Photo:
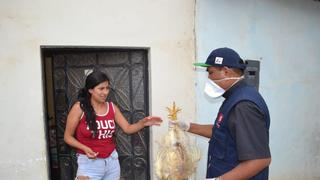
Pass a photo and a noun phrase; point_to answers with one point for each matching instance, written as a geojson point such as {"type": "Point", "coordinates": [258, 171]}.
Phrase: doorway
{"type": "Point", "coordinates": [65, 70]}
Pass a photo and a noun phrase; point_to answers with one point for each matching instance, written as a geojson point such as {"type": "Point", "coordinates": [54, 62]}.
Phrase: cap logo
{"type": "Point", "coordinates": [218, 60]}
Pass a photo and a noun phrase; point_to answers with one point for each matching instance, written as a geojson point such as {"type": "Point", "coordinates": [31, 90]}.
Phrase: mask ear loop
{"type": "Point", "coordinates": [220, 72]}
{"type": "Point", "coordinates": [228, 78]}
{"type": "Point", "coordinates": [238, 79]}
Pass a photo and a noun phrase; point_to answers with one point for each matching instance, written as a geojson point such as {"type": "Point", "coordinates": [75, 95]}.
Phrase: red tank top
{"type": "Point", "coordinates": [103, 142]}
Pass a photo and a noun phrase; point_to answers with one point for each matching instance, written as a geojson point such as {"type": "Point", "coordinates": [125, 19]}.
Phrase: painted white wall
{"type": "Point", "coordinates": [167, 27]}
{"type": "Point", "coordinates": [284, 36]}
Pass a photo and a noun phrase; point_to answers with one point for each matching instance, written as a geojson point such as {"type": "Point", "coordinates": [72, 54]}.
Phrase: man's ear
{"type": "Point", "coordinates": [226, 70]}
{"type": "Point", "coordinates": [230, 71]}
{"type": "Point", "coordinates": [90, 91]}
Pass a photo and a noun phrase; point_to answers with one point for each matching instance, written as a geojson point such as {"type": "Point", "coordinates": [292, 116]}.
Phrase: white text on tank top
{"type": "Point", "coordinates": [105, 128]}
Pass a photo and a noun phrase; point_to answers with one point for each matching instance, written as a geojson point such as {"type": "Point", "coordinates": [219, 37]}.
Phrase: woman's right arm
{"type": "Point", "coordinates": [73, 120]}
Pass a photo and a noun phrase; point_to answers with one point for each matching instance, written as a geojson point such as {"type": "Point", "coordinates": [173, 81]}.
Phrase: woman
{"type": "Point", "coordinates": [90, 127]}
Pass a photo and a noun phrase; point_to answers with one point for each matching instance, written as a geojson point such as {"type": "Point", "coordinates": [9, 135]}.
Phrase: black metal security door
{"type": "Point", "coordinates": [65, 71]}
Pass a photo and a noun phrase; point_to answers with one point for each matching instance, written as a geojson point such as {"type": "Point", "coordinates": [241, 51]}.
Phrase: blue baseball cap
{"type": "Point", "coordinates": [223, 57]}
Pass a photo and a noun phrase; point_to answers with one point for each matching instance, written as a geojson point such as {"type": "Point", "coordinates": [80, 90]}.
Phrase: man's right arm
{"type": "Point", "coordinates": [246, 169]}
{"type": "Point", "coordinates": [204, 130]}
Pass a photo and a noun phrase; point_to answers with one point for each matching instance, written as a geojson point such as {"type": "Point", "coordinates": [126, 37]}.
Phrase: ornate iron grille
{"type": "Point", "coordinates": [128, 73]}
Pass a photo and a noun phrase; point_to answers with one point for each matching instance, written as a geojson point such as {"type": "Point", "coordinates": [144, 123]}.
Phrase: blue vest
{"type": "Point", "coordinates": [222, 153]}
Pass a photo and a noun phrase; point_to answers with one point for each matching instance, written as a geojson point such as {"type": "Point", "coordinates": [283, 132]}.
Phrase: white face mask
{"type": "Point", "coordinates": [213, 90]}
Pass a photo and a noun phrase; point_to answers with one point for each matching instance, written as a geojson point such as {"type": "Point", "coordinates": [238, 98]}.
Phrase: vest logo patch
{"type": "Point", "coordinates": [219, 120]}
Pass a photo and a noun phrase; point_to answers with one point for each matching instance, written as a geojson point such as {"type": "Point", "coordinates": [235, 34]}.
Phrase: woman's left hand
{"type": "Point", "coordinates": [151, 120]}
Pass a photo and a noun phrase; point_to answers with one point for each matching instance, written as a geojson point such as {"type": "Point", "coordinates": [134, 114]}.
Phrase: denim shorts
{"type": "Point", "coordinates": [99, 168]}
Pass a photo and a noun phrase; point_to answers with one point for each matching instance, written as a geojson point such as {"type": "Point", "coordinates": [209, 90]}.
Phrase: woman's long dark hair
{"type": "Point", "coordinates": [92, 80]}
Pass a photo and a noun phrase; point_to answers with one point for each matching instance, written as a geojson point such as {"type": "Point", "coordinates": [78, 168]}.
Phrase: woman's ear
{"type": "Point", "coordinates": [90, 91]}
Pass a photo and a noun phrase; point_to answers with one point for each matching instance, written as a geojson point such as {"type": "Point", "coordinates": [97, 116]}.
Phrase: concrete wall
{"type": "Point", "coordinates": [284, 36]}
{"type": "Point", "coordinates": [167, 27]}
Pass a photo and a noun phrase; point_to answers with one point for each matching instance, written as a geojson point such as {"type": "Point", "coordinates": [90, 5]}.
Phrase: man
{"type": "Point", "coordinates": [239, 138]}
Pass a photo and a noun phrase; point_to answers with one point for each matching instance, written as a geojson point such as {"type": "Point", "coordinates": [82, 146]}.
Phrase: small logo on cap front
{"type": "Point", "coordinates": [218, 60]}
